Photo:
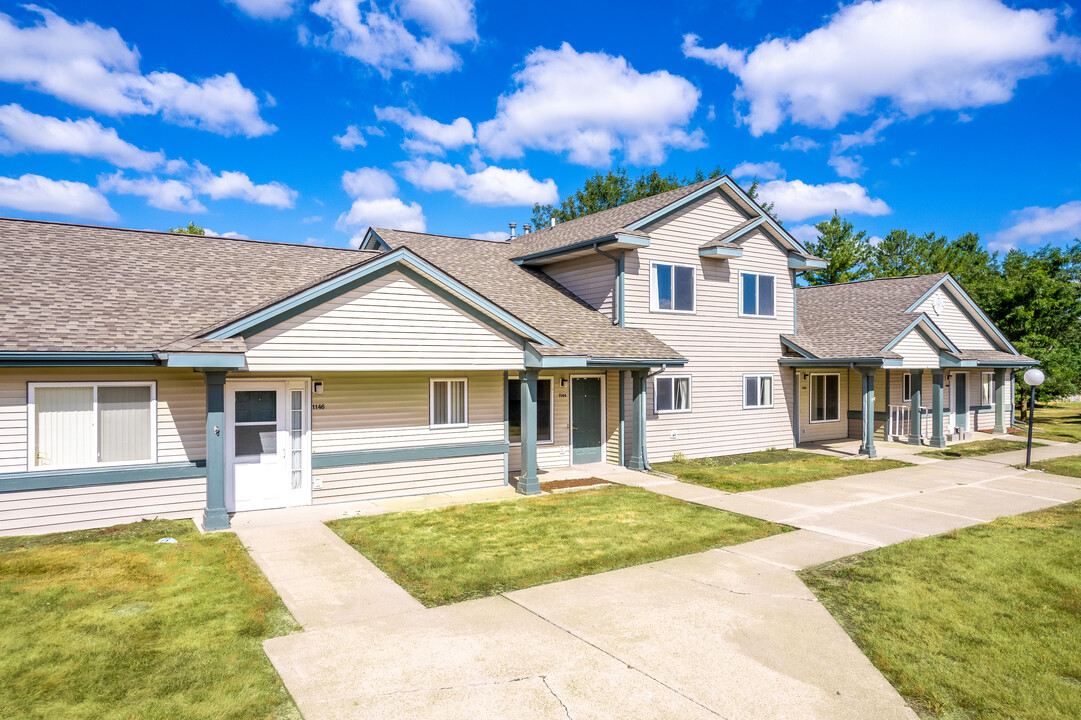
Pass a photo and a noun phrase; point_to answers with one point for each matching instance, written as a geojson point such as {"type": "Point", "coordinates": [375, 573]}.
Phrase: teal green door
{"type": "Point", "coordinates": [960, 397]}
{"type": "Point", "coordinates": [586, 435]}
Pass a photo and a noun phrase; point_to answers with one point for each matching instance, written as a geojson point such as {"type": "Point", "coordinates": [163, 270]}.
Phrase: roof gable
{"type": "Point", "coordinates": [961, 316]}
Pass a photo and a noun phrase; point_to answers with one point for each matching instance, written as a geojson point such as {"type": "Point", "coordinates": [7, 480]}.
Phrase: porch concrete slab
{"type": "Point", "coordinates": [976, 502]}
{"type": "Point", "coordinates": [1037, 486]}
{"type": "Point", "coordinates": [322, 580]}
{"type": "Point", "coordinates": [721, 647]}
{"type": "Point", "coordinates": [624, 476]}
{"type": "Point", "coordinates": [799, 549]}
{"type": "Point", "coordinates": [686, 491]}
{"type": "Point", "coordinates": [749, 504]}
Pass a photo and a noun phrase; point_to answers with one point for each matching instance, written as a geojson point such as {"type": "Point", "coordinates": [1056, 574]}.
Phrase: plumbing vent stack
{"type": "Point", "coordinates": [513, 230]}
{"type": "Point", "coordinates": [527, 228]}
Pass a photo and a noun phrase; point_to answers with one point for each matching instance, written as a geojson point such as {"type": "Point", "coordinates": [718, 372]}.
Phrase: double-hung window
{"type": "Point", "coordinates": [672, 288]}
{"type": "Point", "coordinates": [825, 398]}
{"type": "Point", "coordinates": [74, 425]}
{"type": "Point", "coordinates": [756, 295]}
{"type": "Point", "coordinates": [672, 394]}
{"type": "Point", "coordinates": [906, 387]}
{"type": "Point", "coordinates": [758, 391]}
{"type": "Point", "coordinates": [449, 402]}
{"type": "Point", "coordinates": [544, 410]}
{"type": "Point", "coordinates": [987, 388]}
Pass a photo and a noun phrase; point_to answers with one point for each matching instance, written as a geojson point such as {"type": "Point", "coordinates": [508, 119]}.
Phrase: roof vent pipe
{"type": "Point", "coordinates": [526, 228]}
{"type": "Point", "coordinates": [552, 222]}
{"type": "Point", "coordinates": [513, 230]}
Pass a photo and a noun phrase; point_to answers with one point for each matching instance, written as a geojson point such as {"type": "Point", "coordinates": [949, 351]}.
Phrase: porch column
{"type": "Point", "coordinates": [915, 419]}
{"type": "Point", "coordinates": [528, 484]}
{"type": "Point", "coordinates": [868, 416]}
{"type": "Point", "coordinates": [638, 420]}
{"type": "Point", "coordinates": [1000, 400]}
{"type": "Point", "coordinates": [214, 515]}
{"type": "Point", "coordinates": [937, 438]}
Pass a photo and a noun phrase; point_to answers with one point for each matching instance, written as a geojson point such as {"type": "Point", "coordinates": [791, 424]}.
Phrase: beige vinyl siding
{"type": "Point", "coordinates": [720, 345]}
{"type": "Point", "coordinates": [916, 352]}
{"type": "Point", "coordinates": [954, 323]}
{"type": "Point", "coordinates": [383, 480]}
{"type": "Point", "coordinates": [591, 278]}
{"type": "Point", "coordinates": [811, 432]}
{"type": "Point", "coordinates": [611, 452]}
{"type": "Point", "coordinates": [383, 411]}
{"type": "Point", "coordinates": [388, 324]}
{"type": "Point", "coordinates": [44, 511]}
{"type": "Point", "coordinates": [181, 418]}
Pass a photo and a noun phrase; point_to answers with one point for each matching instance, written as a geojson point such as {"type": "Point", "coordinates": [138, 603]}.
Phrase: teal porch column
{"type": "Point", "coordinates": [868, 416]}
{"type": "Point", "coordinates": [915, 419]}
{"type": "Point", "coordinates": [638, 420]}
{"type": "Point", "coordinates": [1000, 400]}
{"type": "Point", "coordinates": [937, 381]}
{"type": "Point", "coordinates": [214, 515]}
{"type": "Point", "coordinates": [528, 484]}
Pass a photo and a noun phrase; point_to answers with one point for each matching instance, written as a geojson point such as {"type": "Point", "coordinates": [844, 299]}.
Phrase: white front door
{"type": "Point", "coordinates": [266, 445]}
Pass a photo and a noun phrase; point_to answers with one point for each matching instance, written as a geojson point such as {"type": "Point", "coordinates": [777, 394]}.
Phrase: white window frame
{"type": "Point", "coordinates": [654, 300]}
{"type": "Point", "coordinates": [983, 386]}
{"type": "Point", "coordinates": [772, 390]}
{"type": "Point", "coordinates": [757, 296]}
{"type": "Point", "coordinates": [31, 423]}
{"type": "Point", "coordinates": [690, 394]}
{"type": "Point", "coordinates": [551, 409]}
{"type": "Point", "coordinates": [906, 397]}
{"type": "Point", "coordinates": [811, 399]}
{"type": "Point", "coordinates": [431, 405]}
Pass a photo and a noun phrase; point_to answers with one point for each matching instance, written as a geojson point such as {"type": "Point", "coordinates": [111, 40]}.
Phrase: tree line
{"type": "Point", "coordinates": [1033, 297]}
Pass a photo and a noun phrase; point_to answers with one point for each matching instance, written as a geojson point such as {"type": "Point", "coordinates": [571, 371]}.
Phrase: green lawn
{"type": "Point", "coordinates": [1058, 421]}
{"type": "Point", "coordinates": [107, 624]}
{"type": "Point", "coordinates": [1069, 466]}
{"type": "Point", "coordinates": [769, 468]}
{"type": "Point", "coordinates": [461, 552]}
{"type": "Point", "coordinates": [978, 623]}
{"type": "Point", "coordinates": [976, 448]}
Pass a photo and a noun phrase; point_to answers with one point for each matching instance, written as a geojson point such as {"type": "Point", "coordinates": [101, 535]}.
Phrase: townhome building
{"type": "Point", "coordinates": [147, 374]}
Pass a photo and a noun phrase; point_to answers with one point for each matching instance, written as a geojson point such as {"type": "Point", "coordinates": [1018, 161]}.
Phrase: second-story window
{"type": "Point", "coordinates": [756, 295]}
{"type": "Point", "coordinates": [672, 288]}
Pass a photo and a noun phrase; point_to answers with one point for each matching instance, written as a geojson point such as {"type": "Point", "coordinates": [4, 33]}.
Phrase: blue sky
{"type": "Point", "coordinates": [306, 122]}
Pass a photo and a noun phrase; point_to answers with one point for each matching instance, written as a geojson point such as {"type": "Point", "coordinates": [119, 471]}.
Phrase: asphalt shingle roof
{"type": "Point", "coordinates": [78, 288]}
{"type": "Point", "coordinates": [531, 296]}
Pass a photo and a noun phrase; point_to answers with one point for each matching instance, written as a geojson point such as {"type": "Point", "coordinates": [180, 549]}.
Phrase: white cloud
{"type": "Point", "coordinates": [871, 136]}
{"type": "Point", "coordinates": [846, 166]}
{"type": "Point", "coordinates": [492, 236]}
{"type": "Point", "coordinates": [166, 194]}
{"type": "Point", "coordinates": [237, 185]}
{"type": "Point", "coordinates": [804, 233]}
{"type": "Point", "coordinates": [428, 135]}
{"type": "Point", "coordinates": [24, 131]}
{"type": "Point", "coordinates": [1040, 224]}
{"type": "Point", "coordinates": [312, 219]}
{"type": "Point", "coordinates": [374, 205]}
{"type": "Point", "coordinates": [800, 143]}
{"type": "Point", "coordinates": [915, 55]}
{"type": "Point", "coordinates": [265, 9]}
{"type": "Point", "coordinates": [763, 171]}
{"type": "Point", "coordinates": [383, 41]}
{"type": "Point", "coordinates": [590, 105]}
{"type": "Point", "coordinates": [34, 193]}
{"type": "Point", "coordinates": [492, 186]}
{"type": "Point", "coordinates": [351, 138]}
{"type": "Point", "coordinates": [92, 67]}
{"type": "Point", "coordinates": [232, 234]}
{"type": "Point", "coordinates": [796, 200]}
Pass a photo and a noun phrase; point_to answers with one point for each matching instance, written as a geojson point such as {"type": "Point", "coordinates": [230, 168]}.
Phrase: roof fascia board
{"type": "Point", "coordinates": [83, 359]}
{"type": "Point", "coordinates": [400, 259]}
{"type": "Point", "coordinates": [984, 321]}
{"type": "Point", "coordinates": [676, 205]}
{"type": "Point", "coordinates": [373, 236]}
{"type": "Point", "coordinates": [945, 359]}
{"type": "Point", "coordinates": [720, 252]}
{"type": "Point", "coordinates": [795, 262]}
{"type": "Point", "coordinates": [796, 348]}
{"type": "Point", "coordinates": [604, 241]}
{"type": "Point", "coordinates": [635, 362]}
{"type": "Point", "coordinates": [204, 360]}
{"type": "Point", "coordinates": [925, 321]}
{"type": "Point", "coordinates": [773, 224]}
{"type": "Point", "coordinates": [834, 362]}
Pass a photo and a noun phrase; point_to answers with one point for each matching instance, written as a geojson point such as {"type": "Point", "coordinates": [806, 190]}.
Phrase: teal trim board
{"type": "Point", "coordinates": [215, 516]}
{"type": "Point", "coordinates": [431, 452]}
{"type": "Point", "coordinates": [77, 359]}
{"type": "Point", "coordinates": [206, 360]}
{"type": "Point", "coordinates": [90, 477]}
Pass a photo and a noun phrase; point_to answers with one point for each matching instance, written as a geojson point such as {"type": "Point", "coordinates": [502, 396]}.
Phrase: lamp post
{"type": "Point", "coordinates": [1034, 377]}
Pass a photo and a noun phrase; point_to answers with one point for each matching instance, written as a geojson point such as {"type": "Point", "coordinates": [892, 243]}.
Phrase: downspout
{"type": "Point", "coordinates": [645, 452]}
{"type": "Point", "coordinates": [618, 317]}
